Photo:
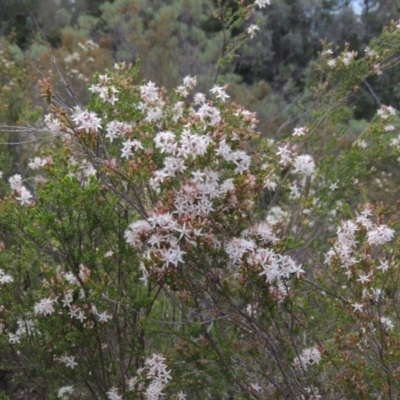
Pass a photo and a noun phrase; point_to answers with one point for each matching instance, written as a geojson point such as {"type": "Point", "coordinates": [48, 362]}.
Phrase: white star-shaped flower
{"type": "Point", "coordinates": [262, 3]}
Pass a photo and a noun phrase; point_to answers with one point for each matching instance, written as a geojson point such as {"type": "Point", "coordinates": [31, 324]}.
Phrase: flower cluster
{"type": "Point", "coordinates": [345, 247]}
{"type": "Point", "coordinates": [24, 194]}
{"type": "Point", "coordinates": [156, 375]}
{"type": "Point", "coordinates": [307, 358]}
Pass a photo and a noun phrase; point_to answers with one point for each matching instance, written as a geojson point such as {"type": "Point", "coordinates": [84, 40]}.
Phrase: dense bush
{"type": "Point", "coordinates": [157, 245]}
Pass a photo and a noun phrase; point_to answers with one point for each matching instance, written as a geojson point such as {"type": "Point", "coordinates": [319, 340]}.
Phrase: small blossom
{"type": "Point", "coordinates": [181, 396]}
{"type": "Point", "coordinates": [68, 361]}
{"type": "Point", "coordinates": [190, 81]}
{"type": "Point", "coordinates": [149, 92]}
{"type": "Point", "coordinates": [15, 182]}
{"type": "Point", "coordinates": [384, 266]}
{"type": "Point", "coordinates": [199, 98]}
{"type": "Point", "coordinates": [24, 195]}
{"type": "Point", "coordinates": [86, 120]}
{"type": "Point", "coordinates": [364, 278]}
{"type": "Point", "coordinates": [219, 92]}
{"type": "Point", "coordinates": [389, 128]}
{"type": "Point", "coordinates": [65, 390]}
{"type": "Point", "coordinates": [304, 164]}
{"type": "Point", "coordinates": [5, 278]}
{"type": "Point", "coordinates": [308, 357]}
{"type": "Point", "coordinates": [333, 186]}
{"type": "Point", "coordinates": [113, 394]}
{"type": "Point", "coordinates": [387, 323]}
{"type": "Point", "coordinates": [285, 155]}
{"type": "Point", "coordinates": [386, 111]}
{"type": "Point", "coordinates": [262, 3]}
{"type": "Point", "coordinates": [252, 30]}
{"type": "Point", "coordinates": [300, 131]}
{"type": "Point", "coordinates": [357, 307]}
{"type": "Point", "coordinates": [256, 387]}
{"type": "Point", "coordinates": [361, 143]}
{"type": "Point", "coordinates": [331, 63]}
{"type": "Point", "coordinates": [348, 57]}
{"type": "Point", "coordinates": [380, 235]}
{"type": "Point", "coordinates": [44, 306]}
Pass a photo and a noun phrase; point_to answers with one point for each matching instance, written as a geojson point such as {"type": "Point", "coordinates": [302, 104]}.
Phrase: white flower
{"type": "Point", "coordinates": [304, 164]}
{"type": "Point", "coordinates": [387, 323]}
{"type": "Point", "coordinates": [285, 155]}
{"type": "Point", "coordinates": [190, 81]}
{"type": "Point", "coordinates": [132, 383]}
{"type": "Point", "coordinates": [126, 150]}
{"type": "Point", "coordinates": [219, 92]}
{"type": "Point", "coordinates": [70, 278]}
{"type": "Point", "coordinates": [357, 307]}
{"type": "Point", "coordinates": [199, 98]}
{"type": "Point", "coordinates": [348, 57]}
{"type": "Point", "coordinates": [384, 266]}
{"type": "Point", "coordinates": [154, 390]}
{"type": "Point", "coordinates": [300, 131]}
{"type": "Point", "coordinates": [68, 299]}
{"type": "Point", "coordinates": [149, 92]}
{"type": "Point", "coordinates": [166, 141]}
{"type": "Point", "coordinates": [380, 235]}
{"type": "Point", "coordinates": [262, 3]}
{"type": "Point", "coordinates": [15, 182]}
{"type": "Point", "coordinates": [364, 278]}
{"type": "Point", "coordinates": [255, 386]}
{"type": "Point", "coordinates": [44, 306]}
{"type": "Point", "coordinates": [377, 69]}
{"type": "Point", "coordinates": [136, 230]}
{"type": "Point", "coordinates": [238, 247]}
{"type": "Point", "coordinates": [68, 361]}
{"type": "Point", "coordinates": [331, 63]}
{"type": "Point", "coordinates": [181, 396]}
{"type": "Point", "coordinates": [333, 186]}
{"type": "Point", "coordinates": [104, 317]}
{"type": "Point", "coordinates": [106, 93]}
{"type": "Point", "coordinates": [252, 30]}
{"type": "Point", "coordinates": [308, 357]}
{"type": "Point", "coordinates": [361, 143]}
{"type": "Point", "coordinates": [65, 390]}
{"type": "Point", "coordinates": [227, 186]}
{"type": "Point", "coordinates": [14, 338]}
{"type": "Point", "coordinates": [5, 278]}
{"type": "Point", "coordinates": [172, 256]}
{"type": "Point", "coordinates": [182, 90]}
{"type": "Point", "coordinates": [114, 130]}
{"type": "Point", "coordinates": [389, 128]}
{"type": "Point", "coordinates": [86, 120]}
{"type": "Point", "coordinates": [113, 395]}
{"type": "Point", "coordinates": [386, 111]}
{"type": "Point", "coordinates": [210, 116]}
{"type": "Point", "coordinates": [156, 368]}
{"type": "Point", "coordinates": [109, 253]}
{"type": "Point", "coordinates": [270, 184]}
{"type": "Point", "coordinates": [37, 163]}
{"type": "Point", "coordinates": [371, 53]}
{"type": "Point", "coordinates": [24, 195]}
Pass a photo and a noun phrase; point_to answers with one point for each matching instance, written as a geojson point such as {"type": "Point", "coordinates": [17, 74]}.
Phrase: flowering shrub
{"type": "Point", "coordinates": [159, 248]}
